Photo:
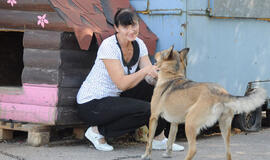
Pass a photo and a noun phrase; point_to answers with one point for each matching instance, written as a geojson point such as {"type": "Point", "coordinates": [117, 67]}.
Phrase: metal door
{"type": "Point", "coordinates": [166, 18]}
{"type": "Point", "coordinates": [229, 42]}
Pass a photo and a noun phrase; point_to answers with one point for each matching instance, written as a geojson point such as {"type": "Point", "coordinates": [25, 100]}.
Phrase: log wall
{"type": "Point", "coordinates": [54, 69]}
{"type": "Point", "coordinates": [54, 66]}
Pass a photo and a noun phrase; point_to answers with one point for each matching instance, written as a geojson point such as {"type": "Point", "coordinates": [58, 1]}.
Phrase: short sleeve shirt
{"type": "Point", "coordinates": [98, 83]}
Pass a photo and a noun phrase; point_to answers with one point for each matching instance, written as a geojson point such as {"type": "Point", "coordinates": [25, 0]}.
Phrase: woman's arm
{"type": "Point", "coordinates": [145, 61]}
{"type": "Point", "coordinates": [122, 81]}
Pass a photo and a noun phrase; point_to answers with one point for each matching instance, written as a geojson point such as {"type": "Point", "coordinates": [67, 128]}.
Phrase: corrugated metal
{"type": "Point", "coordinates": [94, 17]}
{"type": "Point", "coordinates": [240, 8]}
{"type": "Point", "coordinates": [167, 19]}
{"type": "Point", "coordinates": [231, 52]}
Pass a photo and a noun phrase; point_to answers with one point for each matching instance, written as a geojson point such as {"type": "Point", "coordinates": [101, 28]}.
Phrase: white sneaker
{"type": "Point", "coordinates": [162, 145]}
{"type": "Point", "coordinates": [94, 138]}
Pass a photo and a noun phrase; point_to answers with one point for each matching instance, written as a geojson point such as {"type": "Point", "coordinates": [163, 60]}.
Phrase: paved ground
{"type": "Point", "coordinates": [251, 146]}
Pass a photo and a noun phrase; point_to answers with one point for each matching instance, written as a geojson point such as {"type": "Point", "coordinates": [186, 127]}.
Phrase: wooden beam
{"type": "Point", "coordinates": [79, 132]}
{"type": "Point", "coordinates": [6, 134]}
{"type": "Point", "coordinates": [28, 5]}
{"type": "Point", "coordinates": [73, 78]}
{"type": "Point", "coordinates": [55, 59]}
{"type": "Point", "coordinates": [40, 76]}
{"type": "Point", "coordinates": [50, 40]}
{"type": "Point", "coordinates": [37, 139]}
{"type": "Point", "coordinates": [41, 58]}
{"type": "Point", "coordinates": [28, 113]}
{"type": "Point", "coordinates": [68, 115]}
{"type": "Point", "coordinates": [42, 39]}
{"type": "Point", "coordinates": [40, 95]}
{"type": "Point", "coordinates": [67, 96]}
{"type": "Point", "coordinates": [66, 68]}
{"type": "Point", "coordinates": [71, 59]}
{"type": "Point", "coordinates": [28, 20]}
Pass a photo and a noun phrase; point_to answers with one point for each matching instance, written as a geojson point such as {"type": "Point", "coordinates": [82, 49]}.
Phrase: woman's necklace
{"type": "Point", "coordinates": [128, 52]}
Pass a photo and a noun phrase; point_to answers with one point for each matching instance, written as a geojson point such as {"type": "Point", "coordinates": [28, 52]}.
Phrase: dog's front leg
{"type": "Point", "coordinates": [172, 135]}
{"type": "Point", "coordinates": [151, 134]}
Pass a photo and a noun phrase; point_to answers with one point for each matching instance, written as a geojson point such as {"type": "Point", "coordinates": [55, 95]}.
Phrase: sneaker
{"type": "Point", "coordinates": [94, 138]}
{"type": "Point", "coordinates": [162, 145]}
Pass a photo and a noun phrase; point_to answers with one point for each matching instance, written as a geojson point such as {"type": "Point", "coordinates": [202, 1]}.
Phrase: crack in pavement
{"type": "Point", "coordinates": [12, 156]}
{"type": "Point", "coordinates": [127, 157]}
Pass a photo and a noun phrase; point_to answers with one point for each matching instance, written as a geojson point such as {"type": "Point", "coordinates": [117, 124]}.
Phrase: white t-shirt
{"type": "Point", "coordinates": [98, 83]}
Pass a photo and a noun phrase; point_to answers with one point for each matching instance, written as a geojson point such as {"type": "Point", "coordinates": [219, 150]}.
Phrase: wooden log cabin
{"type": "Point", "coordinates": [41, 69]}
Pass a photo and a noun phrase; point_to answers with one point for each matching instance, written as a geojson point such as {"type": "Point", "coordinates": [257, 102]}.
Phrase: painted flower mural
{"type": "Point", "coordinates": [12, 2]}
{"type": "Point", "coordinates": [42, 20]}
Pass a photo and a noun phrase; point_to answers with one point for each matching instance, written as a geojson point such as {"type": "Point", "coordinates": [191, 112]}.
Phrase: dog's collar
{"type": "Point", "coordinates": [170, 82]}
{"type": "Point", "coordinates": [177, 78]}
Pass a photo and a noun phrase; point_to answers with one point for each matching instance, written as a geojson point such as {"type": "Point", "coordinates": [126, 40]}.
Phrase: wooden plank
{"type": "Point", "coordinates": [67, 96]}
{"type": "Point", "coordinates": [11, 30]}
{"type": "Point", "coordinates": [28, 5]}
{"type": "Point", "coordinates": [68, 115]}
{"type": "Point", "coordinates": [7, 90]}
{"type": "Point", "coordinates": [6, 134]}
{"type": "Point", "coordinates": [42, 39]}
{"type": "Point", "coordinates": [25, 127]}
{"type": "Point", "coordinates": [37, 134]}
{"type": "Point", "coordinates": [50, 40]}
{"type": "Point", "coordinates": [40, 76]}
{"type": "Point", "coordinates": [37, 139]}
{"type": "Point", "coordinates": [77, 59]}
{"type": "Point", "coordinates": [79, 132]}
{"type": "Point", "coordinates": [41, 95]}
{"type": "Point", "coordinates": [34, 127]}
{"type": "Point", "coordinates": [73, 78]}
{"type": "Point", "coordinates": [28, 113]}
{"type": "Point", "coordinates": [28, 20]}
{"type": "Point", "coordinates": [41, 58]}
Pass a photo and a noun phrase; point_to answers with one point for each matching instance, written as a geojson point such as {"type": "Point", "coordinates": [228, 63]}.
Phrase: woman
{"type": "Point", "coordinates": [114, 98]}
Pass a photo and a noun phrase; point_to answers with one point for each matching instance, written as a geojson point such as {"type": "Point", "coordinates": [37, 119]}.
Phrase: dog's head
{"type": "Point", "coordinates": [172, 62]}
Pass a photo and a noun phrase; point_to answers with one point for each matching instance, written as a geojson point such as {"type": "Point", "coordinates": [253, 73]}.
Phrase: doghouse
{"type": "Point", "coordinates": [47, 47]}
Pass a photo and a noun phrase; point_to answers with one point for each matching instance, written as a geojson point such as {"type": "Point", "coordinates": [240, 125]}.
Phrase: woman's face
{"type": "Point", "coordinates": [129, 32]}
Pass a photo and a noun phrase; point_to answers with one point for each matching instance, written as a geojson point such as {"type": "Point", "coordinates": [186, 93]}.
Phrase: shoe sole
{"type": "Point", "coordinates": [92, 141]}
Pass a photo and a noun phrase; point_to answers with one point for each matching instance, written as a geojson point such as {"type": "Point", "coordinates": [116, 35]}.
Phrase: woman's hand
{"type": "Point", "coordinates": [151, 70]}
{"type": "Point", "coordinates": [151, 76]}
{"type": "Point", "coordinates": [122, 81]}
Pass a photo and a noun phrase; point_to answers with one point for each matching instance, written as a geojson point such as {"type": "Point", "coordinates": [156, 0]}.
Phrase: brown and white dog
{"type": "Point", "coordinates": [199, 105]}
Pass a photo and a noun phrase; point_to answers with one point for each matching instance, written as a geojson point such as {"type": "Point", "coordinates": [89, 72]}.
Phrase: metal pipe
{"type": "Point", "coordinates": [148, 11]}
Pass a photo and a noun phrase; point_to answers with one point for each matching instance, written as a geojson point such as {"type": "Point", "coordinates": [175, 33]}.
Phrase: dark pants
{"type": "Point", "coordinates": [116, 116]}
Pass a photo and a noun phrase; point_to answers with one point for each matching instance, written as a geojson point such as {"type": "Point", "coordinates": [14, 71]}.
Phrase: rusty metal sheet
{"type": "Point", "coordinates": [95, 18]}
{"type": "Point", "coordinates": [240, 8]}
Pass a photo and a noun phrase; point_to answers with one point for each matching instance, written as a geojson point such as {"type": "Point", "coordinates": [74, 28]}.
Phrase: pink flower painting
{"type": "Point", "coordinates": [42, 20]}
{"type": "Point", "coordinates": [12, 2]}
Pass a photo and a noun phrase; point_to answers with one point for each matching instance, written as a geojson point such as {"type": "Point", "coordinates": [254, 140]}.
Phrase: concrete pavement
{"type": "Point", "coordinates": [245, 146]}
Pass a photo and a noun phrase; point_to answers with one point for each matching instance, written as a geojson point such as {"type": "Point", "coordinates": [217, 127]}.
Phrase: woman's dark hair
{"type": "Point", "coordinates": [125, 17]}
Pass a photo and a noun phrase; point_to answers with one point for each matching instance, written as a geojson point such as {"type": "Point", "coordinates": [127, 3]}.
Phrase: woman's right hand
{"type": "Point", "coordinates": [151, 70]}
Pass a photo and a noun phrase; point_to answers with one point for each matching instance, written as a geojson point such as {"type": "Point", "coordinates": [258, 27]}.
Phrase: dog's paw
{"type": "Point", "coordinates": [167, 155]}
{"type": "Point", "coordinates": [145, 157]}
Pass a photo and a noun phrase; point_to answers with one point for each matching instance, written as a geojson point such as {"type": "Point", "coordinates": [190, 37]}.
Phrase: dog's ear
{"type": "Point", "coordinates": [183, 53]}
{"type": "Point", "coordinates": [183, 56]}
{"type": "Point", "coordinates": [169, 53]}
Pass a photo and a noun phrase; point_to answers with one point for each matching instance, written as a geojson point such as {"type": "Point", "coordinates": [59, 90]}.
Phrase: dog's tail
{"type": "Point", "coordinates": [250, 102]}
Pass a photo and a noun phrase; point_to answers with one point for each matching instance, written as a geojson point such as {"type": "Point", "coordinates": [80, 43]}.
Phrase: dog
{"type": "Point", "coordinates": [199, 105]}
